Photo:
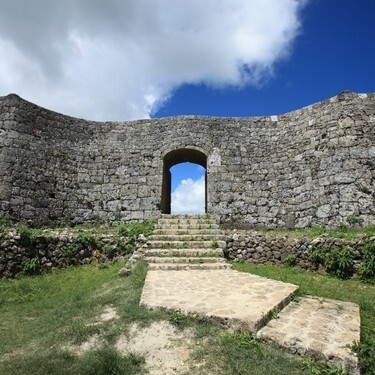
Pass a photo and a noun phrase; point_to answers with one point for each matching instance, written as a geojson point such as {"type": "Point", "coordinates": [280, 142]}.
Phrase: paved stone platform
{"type": "Point", "coordinates": [238, 300]}
{"type": "Point", "coordinates": [317, 326]}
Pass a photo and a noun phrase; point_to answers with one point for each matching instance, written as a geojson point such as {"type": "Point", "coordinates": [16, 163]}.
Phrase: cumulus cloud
{"type": "Point", "coordinates": [189, 197]}
{"type": "Point", "coordinates": [115, 59]}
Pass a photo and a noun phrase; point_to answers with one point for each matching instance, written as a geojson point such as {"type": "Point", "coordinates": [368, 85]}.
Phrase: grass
{"type": "Point", "coordinates": [129, 230]}
{"type": "Point", "coordinates": [39, 315]}
{"type": "Point", "coordinates": [42, 316]}
{"type": "Point", "coordinates": [342, 231]}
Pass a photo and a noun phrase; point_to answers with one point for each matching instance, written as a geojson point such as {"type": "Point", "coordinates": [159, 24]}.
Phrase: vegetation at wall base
{"type": "Point", "coordinates": [343, 231]}
{"type": "Point", "coordinates": [367, 268]}
{"type": "Point", "coordinates": [337, 261]}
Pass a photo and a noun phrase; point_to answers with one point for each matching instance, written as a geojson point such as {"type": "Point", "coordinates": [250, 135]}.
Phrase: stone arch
{"type": "Point", "coordinates": [172, 158]}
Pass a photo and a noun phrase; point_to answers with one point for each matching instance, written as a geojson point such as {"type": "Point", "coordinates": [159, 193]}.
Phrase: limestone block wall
{"type": "Point", "coordinates": [313, 166]}
{"type": "Point", "coordinates": [267, 248]}
{"type": "Point", "coordinates": [20, 254]}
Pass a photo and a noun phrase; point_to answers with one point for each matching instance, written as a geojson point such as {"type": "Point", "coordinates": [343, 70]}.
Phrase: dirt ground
{"type": "Point", "coordinates": [166, 349]}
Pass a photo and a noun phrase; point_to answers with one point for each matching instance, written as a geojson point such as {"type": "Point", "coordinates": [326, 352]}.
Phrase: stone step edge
{"type": "Point", "coordinates": [188, 266]}
{"type": "Point", "coordinates": [186, 244]}
{"type": "Point", "coordinates": [185, 237]}
{"type": "Point", "coordinates": [177, 216]}
{"type": "Point", "coordinates": [275, 310]}
{"type": "Point", "coordinates": [186, 231]}
{"type": "Point", "coordinates": [234, 324]}
{"type": "Point", "coordinates": [186, 227]}
{"type": "Point", "coordinates": [183, 252]}
{"type": "Point", "coordinates": [183, 259]}
{"type": "Point", "coordinates": [186, 221]}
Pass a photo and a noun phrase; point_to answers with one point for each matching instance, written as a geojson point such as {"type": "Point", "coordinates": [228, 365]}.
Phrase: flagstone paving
{"type": "Point", "coordinates": [236, 299]}
{"type": "Point", "coordinates": [187, 273]}
{"type": "Point", "coordinates": [317, 326]}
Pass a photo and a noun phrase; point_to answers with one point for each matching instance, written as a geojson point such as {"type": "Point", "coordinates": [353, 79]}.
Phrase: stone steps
{"type": "Point", "coordinates": [186, 237]}
{"type": "Point", "coordinates": [186, 226]}
{"type": "Point", "coordinates": [184, 252]}
{"type": "Point", "coordinates": [184, 222]}
{"type": "Point", "coordinates": [185, 242]}
{"type": "Point", "coordinates": [186, 231]}
{"type": "Point", "coordinates": [184, 259]}
{"type": "Point", "coordinates": [188, 266]}
{"type": "Point", "coordinates": [186, 216]}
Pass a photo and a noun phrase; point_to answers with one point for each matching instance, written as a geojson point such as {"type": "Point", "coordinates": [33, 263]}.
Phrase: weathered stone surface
{"type": "Point", "coordinates": [313, 166]}
{"type": "Point", "coordinates": [236, 299]}
{"type": "Point", "coordinates": [318, 326]}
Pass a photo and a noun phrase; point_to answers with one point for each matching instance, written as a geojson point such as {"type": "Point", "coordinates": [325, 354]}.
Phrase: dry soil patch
{"type": "Point", "coordinates": [166, 349]}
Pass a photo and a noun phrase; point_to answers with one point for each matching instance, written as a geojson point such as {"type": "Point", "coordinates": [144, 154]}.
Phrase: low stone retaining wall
{"type": "Point", "coordinates": [30, 253]}
{"type": "Point", "coordinates": [256, 247]}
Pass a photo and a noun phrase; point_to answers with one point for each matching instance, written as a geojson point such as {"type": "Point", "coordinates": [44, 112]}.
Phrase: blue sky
{"type": "Point", "coordinates": [122, 60]}
{"type": "Point", "coordinates": [335, 51]}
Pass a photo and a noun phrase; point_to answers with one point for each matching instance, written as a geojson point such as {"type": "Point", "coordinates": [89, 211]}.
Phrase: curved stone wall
{"type": "Point", "coordinates": [313, 166]}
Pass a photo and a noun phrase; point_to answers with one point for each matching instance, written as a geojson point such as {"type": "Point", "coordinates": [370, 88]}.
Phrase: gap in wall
{"type": "Point", "coordinates": [188, 188]}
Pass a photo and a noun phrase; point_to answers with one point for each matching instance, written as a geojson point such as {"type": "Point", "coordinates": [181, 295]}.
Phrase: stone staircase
{"type": "Point", "coordinates": [186, 242]}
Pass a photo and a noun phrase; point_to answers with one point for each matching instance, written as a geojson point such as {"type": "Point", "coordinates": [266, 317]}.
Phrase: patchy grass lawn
{"type": "Point", "coordinates": [72, 321]}
{"type": "Point", "coordinates": [42, 316]}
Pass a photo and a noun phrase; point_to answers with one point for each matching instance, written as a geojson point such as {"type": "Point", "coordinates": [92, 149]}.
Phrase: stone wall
{"type": "Point", "coordinates": [24, 252]}
{"type": "Point", "coordinates": [265, 248]}
{"type": "Point", "coordinates": [313, 166]}
{"type": "Point", "coordinates": [256, 247]}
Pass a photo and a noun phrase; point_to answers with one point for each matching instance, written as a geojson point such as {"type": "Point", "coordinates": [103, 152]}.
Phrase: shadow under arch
{"type": "Point", "coordinates": [172, 158]}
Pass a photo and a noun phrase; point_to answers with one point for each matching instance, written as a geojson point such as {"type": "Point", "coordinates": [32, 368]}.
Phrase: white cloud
{"type": "Point", "coordinates": [189, 197]}
{"type": "Point", "coordinates": [118, 59]}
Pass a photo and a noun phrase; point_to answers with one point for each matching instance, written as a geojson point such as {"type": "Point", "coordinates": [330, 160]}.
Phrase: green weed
{"type": "Point", "coordinates": [367, 268]}
{"type": "Point", "coordinates": [28, 236]}
{"type": "Point", "coordinates": [290, 260]}
{"type": "Point", "coordinates": [214, 244]}
{"type": "Point", "coordinates": [178, 319]}
{"type": "Point", "coordinates": [31, 266]}
{"type": "Point", "coordinates": [317, 368]}
{"type": "Point", "coordinates": [337, 261]}
{"type": "Point", "coordinates": [365, 351]}
{"type": "Point", "coordinates": [241, 340]}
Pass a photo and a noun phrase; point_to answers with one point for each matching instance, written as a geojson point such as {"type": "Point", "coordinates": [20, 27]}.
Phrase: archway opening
{"type": "Point", "coordinates": [188, 189]}
{"type": "Point", "coordinates": [185, 190]}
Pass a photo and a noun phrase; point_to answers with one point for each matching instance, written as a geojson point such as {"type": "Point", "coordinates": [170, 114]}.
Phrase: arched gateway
{"type": "Point", "coordinates": [176, 157]}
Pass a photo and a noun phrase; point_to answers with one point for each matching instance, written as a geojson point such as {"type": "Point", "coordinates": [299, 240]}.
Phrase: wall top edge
{"type": "Point", "coordinates": [15, 100]}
